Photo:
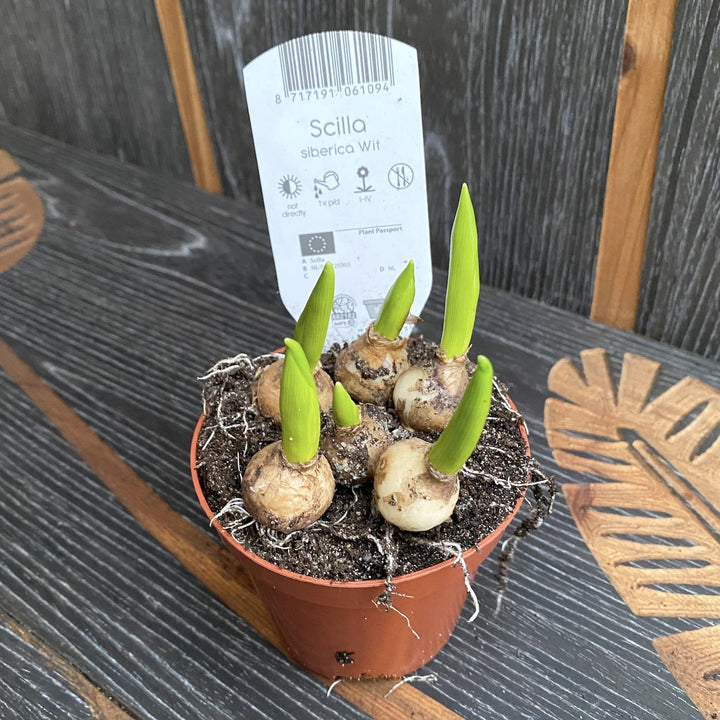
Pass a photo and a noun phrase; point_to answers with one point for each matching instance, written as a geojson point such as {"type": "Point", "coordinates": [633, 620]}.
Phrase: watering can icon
{"type": "Point", "coordinates": [330, 180]}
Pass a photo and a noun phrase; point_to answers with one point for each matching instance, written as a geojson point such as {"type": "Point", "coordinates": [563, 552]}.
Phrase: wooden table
{"type": "Point", "coordinates": [109, 609]}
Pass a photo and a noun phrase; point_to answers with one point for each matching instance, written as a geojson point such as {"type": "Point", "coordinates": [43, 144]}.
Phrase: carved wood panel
{"type": "Point", "coordinates": [652, 520]}
{"type": "Point", "coordinates": [21, 213]}
{"type": "Point", "coordinates": [694, 659]}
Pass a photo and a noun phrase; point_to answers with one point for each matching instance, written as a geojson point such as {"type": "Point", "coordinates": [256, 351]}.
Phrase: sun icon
{"type": "Point", "coordinates": [290, 187]}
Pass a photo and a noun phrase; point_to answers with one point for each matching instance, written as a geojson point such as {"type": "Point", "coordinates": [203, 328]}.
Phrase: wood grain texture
{"type": "Point", "coordinates": [517, 101]}
{"type": "Point", "coordinates": [631, 172]}
{"type": "Point", "coordinates": [694, 658]}
{"type": "Point", "coordinates": [35, 682]}
{"type": "Point", "coordinates": [92, 73]}
{"type": "Point", "coordinates": [192, 114]}
{"type": "Point", "coordinates": [653, 523]}
{"type": "Point", "coordinates": [21, 213]}
{"type": "Point", "coordinates": [680, 300]}
{"type": "Point", "coordinates": [139, 285]}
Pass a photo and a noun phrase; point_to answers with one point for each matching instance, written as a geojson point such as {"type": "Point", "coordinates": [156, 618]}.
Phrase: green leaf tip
{"type": "Point", "coordinates": [457, 441]}
{"type": "Point", "coordinates": [312, 325]}
{"type": "Point", "coordinates": [463, 288]}
{"type": "Point", "coordinates": [345, 412]}
{"type": "Point", "coordinates": [396, 306]}
{"type": "Point", "coordinates": [299, 406]}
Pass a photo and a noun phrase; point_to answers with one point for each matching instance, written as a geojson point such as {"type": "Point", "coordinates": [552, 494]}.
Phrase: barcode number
{"type": "Point", "coordinates": [334, 60]}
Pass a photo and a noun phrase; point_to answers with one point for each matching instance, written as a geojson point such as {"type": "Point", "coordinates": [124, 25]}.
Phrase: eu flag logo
{"type": "Point", "coordinates": [319, 243]}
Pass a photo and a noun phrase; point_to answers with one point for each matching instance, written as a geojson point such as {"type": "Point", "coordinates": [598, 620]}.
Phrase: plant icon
{"type": "Point", "coordinates": [362, 173]}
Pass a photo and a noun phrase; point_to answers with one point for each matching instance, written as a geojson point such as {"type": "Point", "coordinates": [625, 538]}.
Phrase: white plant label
{"type": "Point", "coordinates": [338, 137]}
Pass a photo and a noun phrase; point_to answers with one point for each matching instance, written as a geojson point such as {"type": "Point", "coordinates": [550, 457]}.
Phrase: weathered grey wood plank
{"type": "Point", "coordinates": [31, 688]}
{"type": "Point", "coordinates": [680, 299]}
{"type": "Point", "coordinates": [518, 101]}
{"type": "Point", "coordinates": [107, 309]}
{"type": "Point", "coordinates": [93, 74]}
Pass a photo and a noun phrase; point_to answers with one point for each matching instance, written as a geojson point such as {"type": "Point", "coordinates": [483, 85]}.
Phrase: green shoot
{"type": "Point", "coordinates": [312, 325]}
{"type": "Point", "coordinates": [299, 406]}
{"type": "Point", "coordinates": [457, 441]}
{"type": "Point", "coordinates": [395, 308]}
{"type": "Point", "coordinates": [463, 288]}
{"type": "Point", "coordinates": [345, 412]}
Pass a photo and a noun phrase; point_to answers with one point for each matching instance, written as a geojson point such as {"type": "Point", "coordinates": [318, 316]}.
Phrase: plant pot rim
{"type": "Point", "coordinates": [377, 583]}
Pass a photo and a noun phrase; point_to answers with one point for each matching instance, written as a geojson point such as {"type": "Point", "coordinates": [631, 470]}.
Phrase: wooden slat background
{"type": "Point", "coordinates": [631, 172]}
{"type": "Point", "coordinates": [29, 689]}
{"type": "Point", "coordinates": [190, 106]}
{"type": "Point", "coordinates": [92, 73]}
{"type": "Point", "coordinates": [518, 99]}
{"type": "Point", "coordinates": [680, 298]}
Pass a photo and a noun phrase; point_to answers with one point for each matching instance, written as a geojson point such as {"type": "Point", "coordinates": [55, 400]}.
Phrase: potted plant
{"type": "Point", "coordinates": [360, 516]}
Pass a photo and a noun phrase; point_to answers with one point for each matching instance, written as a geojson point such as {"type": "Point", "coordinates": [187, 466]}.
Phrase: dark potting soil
{"type": "Point", "coordinates": [352, 541]}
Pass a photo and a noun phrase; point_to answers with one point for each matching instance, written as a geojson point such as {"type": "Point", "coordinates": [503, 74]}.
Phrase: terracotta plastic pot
{"type": "Point", "coordinates": [334, 629]}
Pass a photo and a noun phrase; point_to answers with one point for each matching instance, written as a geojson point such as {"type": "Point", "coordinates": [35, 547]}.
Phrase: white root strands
{"type": "Point", "coordinates": [210, 439]}
{"type": "Point", "coordinates": [239, 362]}
{"type": "Point", "coordinates": [331, 523]}
{"type": "Point", "coordinates": [468, 587]}
{"type": "Point", "coordinates": [465, 471]}
{"type": "Point", "coordinates": [333, 685]}
{"type": "Point", "coordinates": [499, 451]}
{"type": "Point", "coordinates": [220, 419]}
{"type": "Point", "coordinates": [224, 369]}
{"type": "Point", "coordinates": [241, 518]}
{"type": "Point", "coordinates": [246, 430]}
{"type": "Point", "coordinates": [384, 548]}
{"type": "Point", "coordinates": [235, 506]}
{"type": "Point", "coordinates": [450, 549]}
{"type": "Point", "coordinates": [510, 409]}
{"type": "Point", "coordinates": [384, 601]}
{"type": "Point", "coordinates": [388, 607]}
{"type": "Point", "coordinates": [431, 677]}
{"type": "Point", "coordinates": [272, 538]}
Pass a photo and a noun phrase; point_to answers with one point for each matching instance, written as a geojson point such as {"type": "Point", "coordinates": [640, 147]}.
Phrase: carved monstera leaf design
{"type": "Point", "coordinates": [653, 525]}
{"type": "Point", "coordinates": [21, 213]}
{"type": "Point", "coordinates": [694, 659]}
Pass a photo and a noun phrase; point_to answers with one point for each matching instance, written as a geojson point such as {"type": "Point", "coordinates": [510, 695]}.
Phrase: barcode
{"type": "Point", "coordinates": [334, 60]}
